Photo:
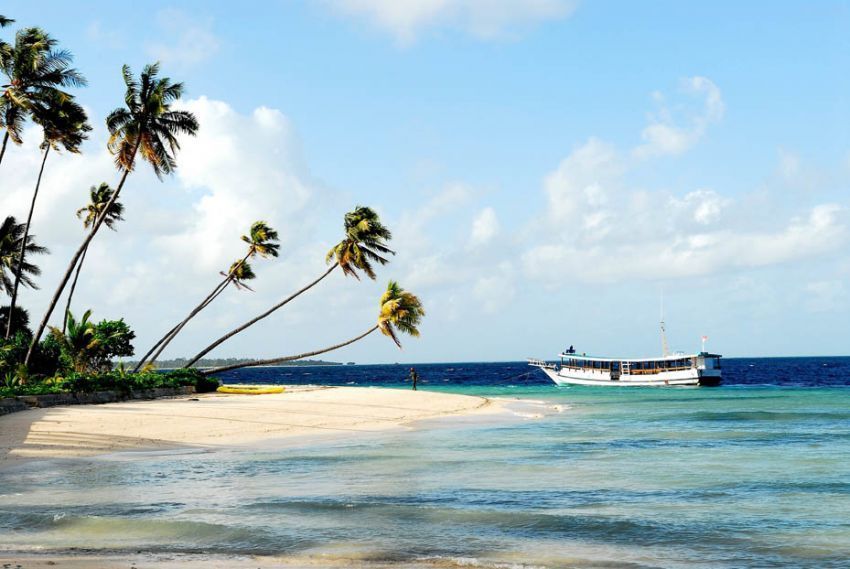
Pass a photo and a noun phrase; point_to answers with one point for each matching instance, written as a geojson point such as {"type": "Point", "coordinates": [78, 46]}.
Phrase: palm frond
{"type": "Point", "coordinates": [400, 311]}
{"type": "Point", "coordinates": [148, 123]}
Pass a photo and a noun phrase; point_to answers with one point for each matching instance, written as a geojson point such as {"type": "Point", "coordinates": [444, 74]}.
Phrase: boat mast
{"type": "Point", "coordinates": [665, 349]}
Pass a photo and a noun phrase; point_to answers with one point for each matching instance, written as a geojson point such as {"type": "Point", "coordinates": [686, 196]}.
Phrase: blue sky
{"type": "Point", "coordinates": [547, 167]}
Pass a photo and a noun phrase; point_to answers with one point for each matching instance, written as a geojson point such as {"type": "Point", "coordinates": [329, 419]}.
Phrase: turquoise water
{"type": "Point", "coordinates": [741, 476]}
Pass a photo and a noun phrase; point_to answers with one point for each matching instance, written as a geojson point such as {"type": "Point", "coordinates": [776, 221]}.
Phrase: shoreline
{"type": "Point", "coordinates": [215, 421]}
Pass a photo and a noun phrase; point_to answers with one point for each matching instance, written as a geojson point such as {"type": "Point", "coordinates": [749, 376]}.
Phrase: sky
{"type": "Point", "coordinates": [548, 168]}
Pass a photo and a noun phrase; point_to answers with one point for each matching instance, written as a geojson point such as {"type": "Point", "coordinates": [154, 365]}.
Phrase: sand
{"type": "Point", "coordinates": [215, 420]}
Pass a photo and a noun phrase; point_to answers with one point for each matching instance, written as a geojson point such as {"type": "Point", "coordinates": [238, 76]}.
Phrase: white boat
{"type": "Point", "coordinates": [673, 370]}
{"type": "Point", "coordinates": [677, 369]}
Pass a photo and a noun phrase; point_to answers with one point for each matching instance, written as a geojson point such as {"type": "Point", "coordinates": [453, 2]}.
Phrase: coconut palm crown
{"type": "Point", "coordinates": [364, 243]}
{"type": "Point", "coordinates": [148, 122]}
{"type": "Point", "coordinates": [35, 72]}
{"type": "Point", "coordinates": [401, 311]}
{"type": "Point", "coordinates": [99, 197]}
{"type": "Point", "coordinates": [63, 121]}
{"type": "Point", "coordinates": [239, 272]}
{"type": "Point", "coordinates": [11, 237]}
{"type": "Point", "coordinates": [262, 240]}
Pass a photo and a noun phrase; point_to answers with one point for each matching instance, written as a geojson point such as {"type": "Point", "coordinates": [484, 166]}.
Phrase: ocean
{"type": "Point", "coordinates": [754, 473]}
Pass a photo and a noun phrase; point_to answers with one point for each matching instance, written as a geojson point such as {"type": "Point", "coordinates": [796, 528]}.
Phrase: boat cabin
{"type": "Point", "coordinates": [639, 366]}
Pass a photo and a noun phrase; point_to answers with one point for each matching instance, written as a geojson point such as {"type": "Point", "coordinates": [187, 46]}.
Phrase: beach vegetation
{"type": "Point", "coordinates": [88, 347]}
{"type": "Point", "coordinates": [20, 322]}
{"type": "Point", "coordinates": [147, 126]}
{"type": "Point", "coordinates": [11, 263]}
{"type": "Point", "coordinates": [36, 75]}
{"type": "Point", "coordinates": [81, 355]}
{"type": "Point", "coordinates": [65, 125]}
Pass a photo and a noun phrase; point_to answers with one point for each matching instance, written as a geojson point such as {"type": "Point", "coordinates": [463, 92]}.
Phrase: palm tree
{"type": "Point", "coordinates": [11, 239]}
{"type": "Point", "coordinates": [262, 241]}
{"type": "Point", "coordinates": [4, 21]}
{"type": "Point", "coordinates": [35, 71]}
{"type": "Point", "coordinates": [79, 342]}
{"type": "Point", "coordinates": [365, 241]}
{"type": "Point", "coordinates": [65, 125]}
{"type": "Point", "coordinates": [99, 196]}
{"type": "Point", "coordinates": [147, 125]}
{"type": "Point", "coordinates": [401, 312]}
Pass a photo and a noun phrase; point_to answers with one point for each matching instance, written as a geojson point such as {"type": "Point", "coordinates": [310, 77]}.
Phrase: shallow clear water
{"type": "Point", "coordinates": [752, 474]}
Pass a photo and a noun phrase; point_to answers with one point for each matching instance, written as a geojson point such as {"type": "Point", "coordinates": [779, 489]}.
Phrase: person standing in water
{"type": "Point", "coordinates": [414, 377]}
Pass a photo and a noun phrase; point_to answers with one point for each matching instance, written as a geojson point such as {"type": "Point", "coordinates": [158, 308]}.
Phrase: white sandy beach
{"type": "Point", "coordinates": [213, 420]}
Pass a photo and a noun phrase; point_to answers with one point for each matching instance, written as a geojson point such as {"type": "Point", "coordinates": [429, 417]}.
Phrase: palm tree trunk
{"type": "Point", "coordinates": [253, 321]}
{"type": "Point", "coordinates": [163, 342]}
{"type": "Point", "coordinates": [273, 361]}
{"type": "Point", "coordinates": [73, 286]}
{"type": "Point", "coordinates": [23, 250]}
{"type": "Point", "coordinates": [3, 150]}
{"type": "Point", "coordinates": [37, 335]}
{"type": "Point", "coordinates": [177, 327]}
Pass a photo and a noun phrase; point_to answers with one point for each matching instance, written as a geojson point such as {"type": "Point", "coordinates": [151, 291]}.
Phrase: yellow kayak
{"type": "Point", "coordinates": [250, 389]}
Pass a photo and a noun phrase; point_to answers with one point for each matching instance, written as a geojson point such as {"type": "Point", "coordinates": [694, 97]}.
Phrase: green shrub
{"type": "Point", "coordinates": [193, 377]}
{"type": "Point", "coordinates": [13, 351]}
{"type": "Point", "coordinates": [11, 383]}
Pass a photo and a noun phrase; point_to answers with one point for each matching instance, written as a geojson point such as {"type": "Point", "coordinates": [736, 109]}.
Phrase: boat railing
{"type": "Point", "coordinates": [541, 363]}
{"type": "Point", "coordinates": [657, 370]}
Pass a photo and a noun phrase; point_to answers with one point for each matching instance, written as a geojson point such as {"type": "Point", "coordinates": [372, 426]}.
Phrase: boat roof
{"type": "Point", "coordinates": [678, 356]}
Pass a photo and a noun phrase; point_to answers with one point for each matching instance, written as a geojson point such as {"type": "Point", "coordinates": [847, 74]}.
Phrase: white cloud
{"type": "Point", "coordinates": [485, 227]}
{"type": "Point", "coordinates": [483, 19]}
{"type": "Point", "coordinates": [665, 135]}
{"type": "Point", "coordinates": [582, 180]}
{"type": "Point", "coordinates": [245, 168]}
{"type": "Point", "coordinates": [190, 39]}
{"type": "Point", "coordinates": [675, 255]}
{"type": "Point", "coordinates": [446, 262]}
{"type": "Point", "coordinates": [704, 206]}
{"type": "Point", "coordinates": [600, 227]}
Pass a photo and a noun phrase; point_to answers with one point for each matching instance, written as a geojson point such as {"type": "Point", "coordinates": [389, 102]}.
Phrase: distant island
{"type": "Point", "coordinates": [218, 362]}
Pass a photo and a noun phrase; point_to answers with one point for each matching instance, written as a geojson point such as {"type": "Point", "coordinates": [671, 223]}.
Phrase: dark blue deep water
{"type": "Point", "coordinates": [778, 372]}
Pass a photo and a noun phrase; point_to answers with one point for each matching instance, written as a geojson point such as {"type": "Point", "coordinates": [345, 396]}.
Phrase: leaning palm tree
{"type": "Point", "coordinates": [35, 71]}
{"type": "Point", "coordinates": [65, 125]}
{"type": "Point", "coordinates": [99, 196]}
{"type": "Point", "coordinates": [400, 312]}
{"type": "Point", "coordinates": [262, 241]}
{"type": "Point", "coordinates": [364, 242]}
{"type": "Point", "coordinates": [147, 126]}
{"type": "Point", "coordinates": [11, 239]}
